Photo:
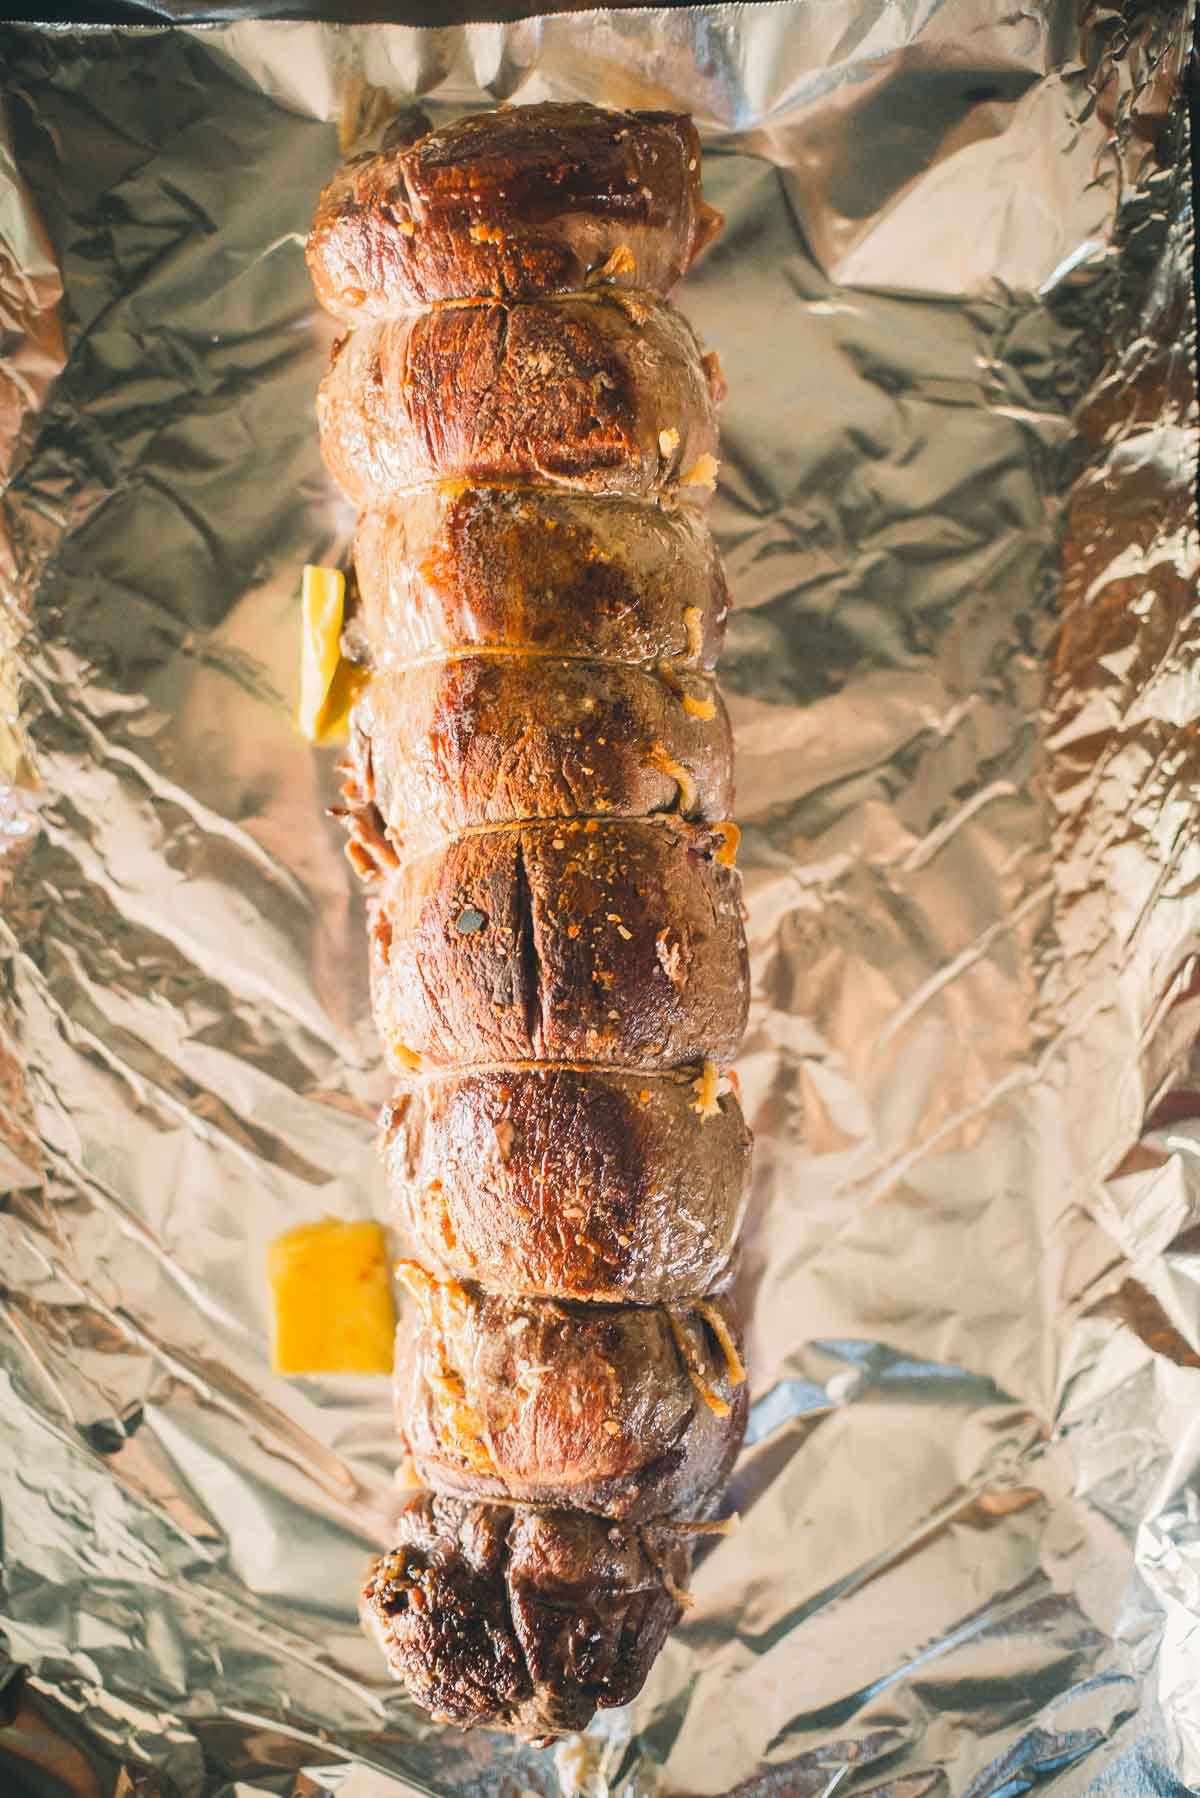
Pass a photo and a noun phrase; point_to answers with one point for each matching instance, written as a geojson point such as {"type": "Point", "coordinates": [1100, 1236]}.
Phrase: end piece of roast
{"type": "Point", "coordinates": [523, 1620]}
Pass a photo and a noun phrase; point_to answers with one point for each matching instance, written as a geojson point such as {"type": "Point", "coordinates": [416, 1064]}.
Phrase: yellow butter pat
{"type": "Point", "coordinates": [329, 684]}
{"type": "Point", "coordinates": [332, 1296]}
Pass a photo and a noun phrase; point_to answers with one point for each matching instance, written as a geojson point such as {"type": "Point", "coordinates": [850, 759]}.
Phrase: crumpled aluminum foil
{"type": "Point", "coordinates": [953, 304]}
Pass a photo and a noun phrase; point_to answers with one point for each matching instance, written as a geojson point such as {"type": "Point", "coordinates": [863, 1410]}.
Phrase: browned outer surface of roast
{"type": "Point", "coordinates": [540, 601]}
{"type": "Point", "coordinates": [479, 740]}
{"type": "Point", "coordinates": [605, 394]}
{"type": "Point", "coordinates": [570, 1182]}
{"type": "Point", "coordinates": [525, 1620]}
{"type": "Point", "coordinates": [617, 943]}
{"type": "Point", "coordinates": [454, 567]}
{"type": "Point", "coordinates": [594, 1406]}
{"type": "Point", "coordinates": [525, 201]}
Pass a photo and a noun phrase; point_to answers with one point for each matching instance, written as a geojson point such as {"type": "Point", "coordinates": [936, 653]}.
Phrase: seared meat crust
{"type": "Point", "coordinates": [455, 568]}
{"type": "Point", "coordinates": [525, 201]}
{"type": "Point", "coordinates": [537, 791]}
{"type": "Point", "coordinates": [570, 1182]}
{"type": "Point", "coordinates": [523, 1620]}
{"type": "Point", "coordinates": [454, 745]}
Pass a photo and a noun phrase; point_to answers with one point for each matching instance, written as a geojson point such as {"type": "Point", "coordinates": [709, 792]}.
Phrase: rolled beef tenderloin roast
{"type": "Point", "coordinates": [537, 794]}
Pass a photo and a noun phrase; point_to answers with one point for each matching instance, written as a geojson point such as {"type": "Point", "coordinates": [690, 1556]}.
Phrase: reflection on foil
{"type": "Point", "coordinates": [952, 301]}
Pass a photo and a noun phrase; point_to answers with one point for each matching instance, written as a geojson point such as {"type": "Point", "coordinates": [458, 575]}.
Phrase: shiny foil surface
{"type": "Point", "coordinates": [953, 304]}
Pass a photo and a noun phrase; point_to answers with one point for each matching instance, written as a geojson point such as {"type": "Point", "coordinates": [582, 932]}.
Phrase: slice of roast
{"type": "Point", "coordinates": [618, 943]}
{"type": "Point", "coordinates": [608, 394]}
{"type": "Point", "coordinates": [632, 1411]}
{"type": "Point", "coordinates": [477, 740]}
{"type": "Point", "coordinates": [523, 1620]}
{"type": "Point", "coordinates": [547, 573]}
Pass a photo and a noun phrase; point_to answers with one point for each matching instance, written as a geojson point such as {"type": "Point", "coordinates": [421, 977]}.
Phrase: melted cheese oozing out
{"type": "Point", "coordinates": [702, 473]}
{"type": "Point", "coordinates": [689, 1356]}
{"type": "Point", "coordinates": [332, 1299]}
{"type": "Point", "coordinates": [699, 708]}
{"type": "Point", "coordinates": [399, 1050]}
{"type": "Point", "coordinates": [734, 1367]}
{"type": "Point", "coordinates": [621, 262]}
{"type": "Point", "coordinates": [329, 684]}
{"type": "Point", "coordinates": [706, 1087]}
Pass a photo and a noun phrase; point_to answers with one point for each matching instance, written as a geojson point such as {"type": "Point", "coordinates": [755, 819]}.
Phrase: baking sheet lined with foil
{"type": "Point", "coordinates": [952, 301]}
